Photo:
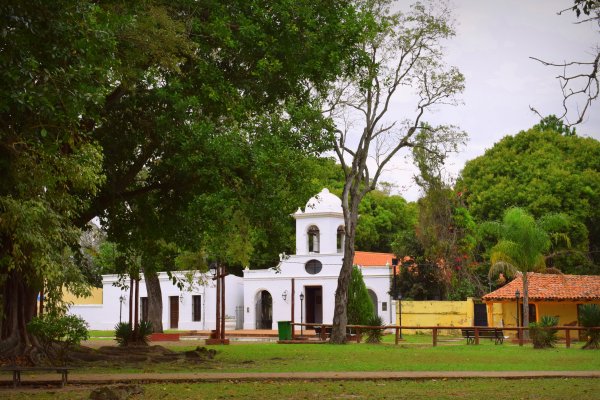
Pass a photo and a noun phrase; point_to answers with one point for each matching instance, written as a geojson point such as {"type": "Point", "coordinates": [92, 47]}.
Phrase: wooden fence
{"type": "Point", "coordinates": [435, 330]}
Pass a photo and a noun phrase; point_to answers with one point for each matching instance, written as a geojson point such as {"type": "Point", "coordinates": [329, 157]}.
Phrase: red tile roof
{"type": "Point", "coordinates": [550, 287]}
{"type": "Point", "coordinates": [368, 259]}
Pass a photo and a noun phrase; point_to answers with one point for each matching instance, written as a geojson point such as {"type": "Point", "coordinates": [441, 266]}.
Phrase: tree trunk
{"type": "Point", "coordinates": [525, 306]}
{"type": "Point", "coordinates": [340, 315]}
{"type": "Point", "coordinates": [155, 305]}
{"type": "Point", "coordinates": [19, 301]}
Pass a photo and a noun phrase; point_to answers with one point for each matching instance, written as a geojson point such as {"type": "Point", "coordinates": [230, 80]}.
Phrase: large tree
{"type": "Point", "coordinates": [106, 104]}
{"type": "Point", "coordinates": [399, 51]}
{"type": "Point", "coordinates": [54, 58]}
{"type": "Point", "coordinates": [542, 171]}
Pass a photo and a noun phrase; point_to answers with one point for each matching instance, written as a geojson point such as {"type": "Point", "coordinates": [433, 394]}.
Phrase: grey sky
{"type": "Point", "coordinates": [492, 47]}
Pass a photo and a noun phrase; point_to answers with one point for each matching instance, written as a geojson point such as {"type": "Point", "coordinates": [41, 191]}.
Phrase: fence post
{"type": "Point", "coordinates": [476, 335]}
{"type": "Point", "coordinates": [520, 336]}
{"type": "Point", "coordinates": [434, 337]}
{"type": "Point", "coordinates": [568, 338]}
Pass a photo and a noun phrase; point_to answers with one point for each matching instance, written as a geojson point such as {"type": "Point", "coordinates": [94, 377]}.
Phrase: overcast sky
{"type": "Point", "coordinates": [492, 47]}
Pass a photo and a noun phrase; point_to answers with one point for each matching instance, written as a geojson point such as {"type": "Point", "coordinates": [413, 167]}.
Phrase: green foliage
{"type": "Point", "coordinates": [57, 333]}
{"type": "Point", "coordinates": [126, 336]}
{"type": "Point", "coordinates": [382, 218]}
{"type": "Point", "coordinates": [374, 335]}
{"type": "Point", "coordinates": [541, 333]}
{"type": "Point", "coordinates": [589, 316]}
{"type": "Point", "coordinates": [523, 243]}
{"type": "Point", "coordinates": [360, 306]}
{"type": "Point", "coordinates": [553, 123]}
{"type": "Point", "coordinates": [543, 171]}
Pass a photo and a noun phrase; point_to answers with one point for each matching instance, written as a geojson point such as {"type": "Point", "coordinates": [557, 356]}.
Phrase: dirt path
{"type": "Point", "coordinates": [96, 379]}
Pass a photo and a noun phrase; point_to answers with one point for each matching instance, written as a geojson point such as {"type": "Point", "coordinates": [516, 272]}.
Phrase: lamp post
{"type": "Point", "coordinates": [301, 314]}
{"type": "Point", "coordinates": [517, 295]}
{"type": "Point", "coordinates": [219, 273]}
{"type": "Point", "coordinates": [121, 301]}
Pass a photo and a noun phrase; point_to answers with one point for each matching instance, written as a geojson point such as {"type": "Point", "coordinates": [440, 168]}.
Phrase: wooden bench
{"type": "Point", "coordinates": [324, 334]}
{"type": "Point", "coordinates": [16, 370]}
{"type": "Point", "coordinates": [491, 333]}
{"type": "Point", "coordinates": [321, 333]}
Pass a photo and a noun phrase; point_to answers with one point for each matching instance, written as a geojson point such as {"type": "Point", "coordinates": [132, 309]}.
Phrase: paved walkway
{"type": "Point", "coordinates": [97, 379]}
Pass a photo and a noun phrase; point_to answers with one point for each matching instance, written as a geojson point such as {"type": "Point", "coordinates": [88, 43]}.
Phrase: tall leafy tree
{"type": "Point", "coordinates": [399, 51]}
{"type": "Point", "coordinates": [521, 248]}
{"type": "Point", "coordinates": [120, 102]}
{"type": "Point", "coordinates": [543, 171]}
{"type": "Point", "coordinates": [54, 57]}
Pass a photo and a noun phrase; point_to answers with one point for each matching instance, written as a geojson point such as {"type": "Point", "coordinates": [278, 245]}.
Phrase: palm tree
{"type": "Point", "coordinates": [521, 247]}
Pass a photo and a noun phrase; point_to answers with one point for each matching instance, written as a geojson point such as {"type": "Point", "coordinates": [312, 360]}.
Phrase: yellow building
{"type": "Point", "coordinates": [549, 294]}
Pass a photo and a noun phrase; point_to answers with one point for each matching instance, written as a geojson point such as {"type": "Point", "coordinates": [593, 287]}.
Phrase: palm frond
{"type": "Point", "coordinates": [502, 267]}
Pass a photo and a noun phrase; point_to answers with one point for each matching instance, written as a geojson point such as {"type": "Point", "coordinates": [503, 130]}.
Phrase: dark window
{"type": "Point", "coordinates": [313, 239]}
{"type": "Point", "coordinates": [313, 267]}
{"type": "Point", "coordinates": [196, 308]}
{"type": "Point", "coordinates": [144, 308]}
{"type": "Point", "coordinates": [384, 306]}
{"type": "Point", "coordinates": [340, 239]}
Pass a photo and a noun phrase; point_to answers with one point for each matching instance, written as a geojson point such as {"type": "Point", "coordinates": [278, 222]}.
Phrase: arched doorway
{"type": "Point", "coordinates": [264, 310]}
{"type": "Point", "coordinates": [374, 301]}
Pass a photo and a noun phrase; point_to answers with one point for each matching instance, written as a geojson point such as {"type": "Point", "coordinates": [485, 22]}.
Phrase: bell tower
{"type": "Point", "coordinates": [320, 227]}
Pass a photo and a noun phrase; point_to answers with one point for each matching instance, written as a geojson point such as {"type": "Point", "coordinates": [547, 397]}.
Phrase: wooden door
{"type": "Point", "coordinates": [480, 314]}
{"type": "Point", "coordinates": [174, 312]}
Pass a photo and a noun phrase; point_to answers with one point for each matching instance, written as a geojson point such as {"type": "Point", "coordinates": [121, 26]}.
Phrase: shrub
{"type": "Point", "coordinates": [57, 333]}
{"type": "Point", "coordinates": [541, 333]}
{"type": "Point", "coordinates": [374, 335]}
{"type": "Point", "coordinates": [360, 306]}
{"type": "Point", "coordinates": [589, 316]}
{"type": "Point", "coordinates": [126, 336]}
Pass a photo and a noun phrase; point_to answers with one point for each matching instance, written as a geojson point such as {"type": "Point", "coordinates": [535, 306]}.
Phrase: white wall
{"type": "Point", "coordinates": [106, 315]}
{"type": "Point", "coordinates": [376, 279]}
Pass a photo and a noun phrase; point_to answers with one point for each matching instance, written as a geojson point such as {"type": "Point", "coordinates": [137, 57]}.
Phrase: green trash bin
{"type": "Point", "coordinates": [285, 330]}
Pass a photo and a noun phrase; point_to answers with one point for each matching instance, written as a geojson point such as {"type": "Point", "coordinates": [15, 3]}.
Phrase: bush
{"type": "Point", "coordinates": [126, 336]}
{"type": "Point", "coordinates": [374, 335]}
{"type": "Point", "coordinates": [57, 333]}
{"type": "Point", "coordinates": [360, 306]}
{"type": "Point", "coordinates": [541, 333]}
{"type": "Point", "coordinates": [589, 316]}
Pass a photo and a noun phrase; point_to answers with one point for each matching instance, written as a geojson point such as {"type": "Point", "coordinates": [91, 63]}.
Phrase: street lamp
{"type": "Point", "coordinates": [121, 301]}
{"type": "Point", "coordinates": [284, 295]}
{"type": "Point", "coordinates": [517, 295]}
{"type": "Point", "coordinates": [301, 314]}
{"type": "Point", "coordinates": [219, 273]}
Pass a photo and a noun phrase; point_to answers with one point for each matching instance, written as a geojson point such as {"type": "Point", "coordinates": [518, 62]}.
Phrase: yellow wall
{"type": "Point", "coordinates": [435, 313]}
{"type": "Point", "coordinates": [505, 313]}
{"type": "Point", "coordinates": [94, 298]}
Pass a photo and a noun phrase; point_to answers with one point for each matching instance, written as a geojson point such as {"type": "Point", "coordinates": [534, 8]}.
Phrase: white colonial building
{"type": "Point", "coordinates": [312, 273]}
{"type": "Point", "coordinates": [261, 297]}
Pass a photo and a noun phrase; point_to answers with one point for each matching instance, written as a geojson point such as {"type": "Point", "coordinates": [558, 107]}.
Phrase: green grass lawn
{"type": "Point", "coordinates": [580, 389]}
{"type": "Point", "coordinates": [415, 354]}
{"type": "Point", "coordinates": [364, 357]}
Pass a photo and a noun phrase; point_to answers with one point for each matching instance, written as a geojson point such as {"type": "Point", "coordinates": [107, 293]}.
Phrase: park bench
{"type": "Point", "coordinates": [491, 333]}
{"type": "Point", "coordinates": [324, 334]}
{"type": "Point", "coordinates": [16, 370]}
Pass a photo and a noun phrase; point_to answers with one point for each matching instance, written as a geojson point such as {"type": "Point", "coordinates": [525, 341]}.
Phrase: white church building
{"type": "Point", "coordinates": [261, 298]}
